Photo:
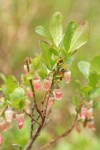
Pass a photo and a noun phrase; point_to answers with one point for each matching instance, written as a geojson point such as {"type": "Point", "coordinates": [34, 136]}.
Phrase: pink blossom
{"type": "Point", "coordinates": [83, 113]}
{"type": "Point", "coordinates": [37, 84]}
{"type": "Point", "coordinates": [58, 94]}
{"type": "Point", "coordinates": [67, 76]}
{"type": "Point", "coordinates": [20, 120]}
{"type": "Point", "coordinates": [9, 115]}
{"type": "Point", "coordinates": [47, 84]}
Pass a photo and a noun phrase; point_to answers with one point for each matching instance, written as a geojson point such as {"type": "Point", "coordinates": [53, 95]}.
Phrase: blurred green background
{"type": "Point", "coordinates": [18, 19]}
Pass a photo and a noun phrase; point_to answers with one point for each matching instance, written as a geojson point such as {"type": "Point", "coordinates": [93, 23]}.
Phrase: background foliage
{"type": "Point", "coordinates": [18, 39]}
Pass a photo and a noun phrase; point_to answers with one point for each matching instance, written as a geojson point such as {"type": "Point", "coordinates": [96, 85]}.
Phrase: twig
{"type": "Point", "coordinates": [32, 118]}
{"type": "Point", "coordinates": [33, 91]}
{"type": "Point", "coordinates": [52, 83]}
{"type": "Point", "coordinates": [31, 131]}
{"type": "Point", "coordinates": [33, 122]}
{"type": "Point", "coordinates": [30, 143]}
{"type": "Point", "coordinates": [66, 133]}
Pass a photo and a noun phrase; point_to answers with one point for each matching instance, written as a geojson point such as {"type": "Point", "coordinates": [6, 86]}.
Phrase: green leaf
{"type": "Point", "coordinates": [86, 90]}
{"type": "Point", "coordinates": [54, 51]}
{"type": "Point", "coordinates": [46, 54]}
{"type": "Point", "coordinates": [9, 88]}
{"type": "Point", "coordinates": [10, 85]}
{"type": "Point", "coordinates": [19, 93]}
{"type": "Point", "coordinates": [42, 31]}
{"type": "Point", "coordinates": [84, 67]}
{"type": "Point", "coordinates": [43, 71]}
{"type": "Point", "coordinates": [70, 60]}
{"type": "Point", "coordinates": [95, 64]}
{"type": "Point", "coordinates": [68, 35]}
{"type": "Point", "coordinates": [93, 79]}
{"type": "Point", "coordinates": [18, 104]}
{"type": "Point", "coordinates": [75, 101]}
{"type": "Point", "coordinates": [30, 76]}
{"type": "Point", "coordinates": [80, 36]}
{"type": "Point", "coordinates": [94, 93]}
{"type": "Point", "coordinates": [56, 28]}
{"type": "Point", "coordinates": [35, 62]}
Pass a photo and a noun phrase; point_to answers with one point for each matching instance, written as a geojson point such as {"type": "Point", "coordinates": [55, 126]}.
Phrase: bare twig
{"type": "Point", "coordinates": [66, 133]}
{"type": "Point", "coordinates": [31, 131]}
{"type": "Point", "coordinates": [32, 118]}
{"type": "Point", "coordinates": [30, 143]}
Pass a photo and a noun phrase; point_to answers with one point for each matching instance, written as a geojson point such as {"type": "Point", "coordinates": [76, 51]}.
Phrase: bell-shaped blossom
{"type": "Point", "coordinates": [47, 84]}
{"type": "Point", "coordinates": [9, 115]}
{"type": "Point", "coordinates": [83, 113]}
{"type": "Point", "coordinates": [51, 101]}
{"type": "Point", "coordinates": [20, 119]}
{"type": "Point", "coordinates": [29, 93]}
{"type": "Point", "coordinates": [58, 93]}
{"type": "Point", "coordinates": [67, 76]}
{"type": "Point", "coordinates": [37, 84]}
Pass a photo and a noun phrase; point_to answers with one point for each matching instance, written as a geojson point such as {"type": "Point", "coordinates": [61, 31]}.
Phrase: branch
{"type": "Point", "coordinates": [31, 131]}
{"type": "Point", "coordinates": [32, 118]}
{"type": "Point", "coordinates": [66, 133]}
{"type": "Point", "coordinates": [33, 91]}
{"type": "Point", "coordinates": [52, 83]}
{"type": "Point", "coordinates": [30, 143]}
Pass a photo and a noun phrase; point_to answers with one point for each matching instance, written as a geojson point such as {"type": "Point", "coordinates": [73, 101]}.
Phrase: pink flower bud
{"type": "Point", "coordinates": [29, 93]}
{"type": "Point", "coordinates": [25, 69]}
{"type": "Point", "coordinates": [37, 84]}
{"type": "Point", "coordinates": [67, 76]}
{"type": "Point", "coordinates": [91, 125]}
{"type": "Point", "coordinates": [51, 101]}
{"type": "Point", "coordinates": [9, 115]}
{"type": "Point", "coordinates": [90, 113]}
{"type": "Point", "coordinates": [3, 125]}
{"type": "Point", "coordinates": [20, 120]}
{"type": "Point", "coordinates": [83, 113]}
{"type": "Point", "coordinates": [47, 84]}
{"type": "Point", "coordinates": [58, 94]}
{"type": "Point", "coordinates": [0, 139]}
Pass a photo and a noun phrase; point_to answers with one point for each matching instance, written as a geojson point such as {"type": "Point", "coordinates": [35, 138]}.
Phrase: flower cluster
{"type": "Point", "coordinates": [6, 122]}
{"type": "Point", "coordinates": [86, 116]}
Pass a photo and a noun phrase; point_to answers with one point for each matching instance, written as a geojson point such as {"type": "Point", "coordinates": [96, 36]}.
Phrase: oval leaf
{"type": "Point", "coordinates": [56, 28]}
{"type": "Point", "coordinates": [80, 36]}
{"type": "Point", "coordinates": [95, 64]}
{"type": "Point", "coordinates": [84, 67]}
